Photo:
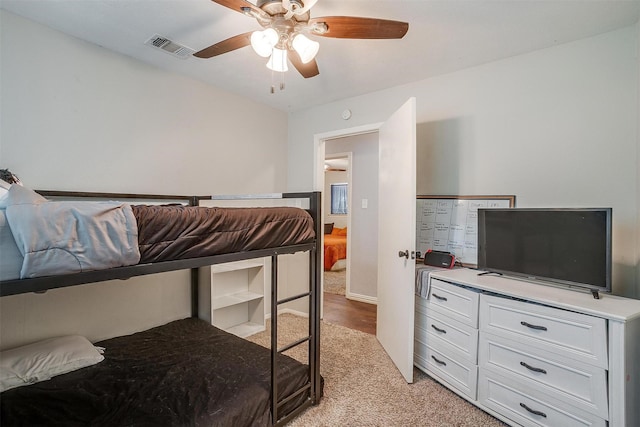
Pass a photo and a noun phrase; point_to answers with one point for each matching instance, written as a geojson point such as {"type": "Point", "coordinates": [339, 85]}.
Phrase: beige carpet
{"type": "Point", "coordinates": [363, 388]}
{"type": "Point", "coordinates": [335, 282]}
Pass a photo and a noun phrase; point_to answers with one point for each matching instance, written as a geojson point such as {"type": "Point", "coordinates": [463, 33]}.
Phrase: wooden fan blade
{"type": "Point", "coordinates": [237, 5]}
{"type": "Point", "coordinates": [310, 69]}
{"type": "Point", "coordinates": [232, 43]}
{"type": "Point", "coordinates": [353, 27]}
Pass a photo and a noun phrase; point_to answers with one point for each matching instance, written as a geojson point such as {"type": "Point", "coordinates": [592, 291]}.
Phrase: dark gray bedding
{"type": "Point", "coordinates": [184, 373]}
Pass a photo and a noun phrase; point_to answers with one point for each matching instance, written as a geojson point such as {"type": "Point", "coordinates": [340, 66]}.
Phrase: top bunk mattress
{"type": "Point", "coordinates": [63, 237]}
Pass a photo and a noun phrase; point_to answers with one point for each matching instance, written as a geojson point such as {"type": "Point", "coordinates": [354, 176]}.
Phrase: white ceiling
{"type": "Point", "coordinates": [443, 36]}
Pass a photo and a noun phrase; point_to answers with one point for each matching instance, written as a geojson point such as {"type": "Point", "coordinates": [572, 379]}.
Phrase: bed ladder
{"type": "Point", "coordinates": [313, 386]}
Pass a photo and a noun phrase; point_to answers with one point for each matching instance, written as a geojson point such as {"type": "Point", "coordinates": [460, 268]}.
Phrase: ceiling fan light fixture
{"type": "Point", "coordinates": [291, 19]}
{"type": "Point", "coordinates": [278, 60]}
{"type": "Point", "coordinates": [305, 47]}
{"type": "Point", "coordinates": [263, 42]}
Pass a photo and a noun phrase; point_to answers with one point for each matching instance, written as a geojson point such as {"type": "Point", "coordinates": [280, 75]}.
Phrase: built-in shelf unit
{"type": "Point", "coordinates": [232, 296]}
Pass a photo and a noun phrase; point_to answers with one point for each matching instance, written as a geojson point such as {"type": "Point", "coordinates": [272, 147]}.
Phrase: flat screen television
{"type": "Point", "coordinates": [567, 247]}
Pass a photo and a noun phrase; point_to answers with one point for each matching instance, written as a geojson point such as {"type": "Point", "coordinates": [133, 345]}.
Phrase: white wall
{"type": "Point", "coordinates": [556, 127]}
{"type": "Point", "coordinates": [75, 116]}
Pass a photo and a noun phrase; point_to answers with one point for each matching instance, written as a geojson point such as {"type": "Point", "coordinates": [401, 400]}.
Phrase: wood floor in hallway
{"type": "Point", "coordinates": [351, 314]}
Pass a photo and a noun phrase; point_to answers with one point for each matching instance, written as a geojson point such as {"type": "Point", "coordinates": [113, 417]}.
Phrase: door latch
{"type": "Point", "coordinates": [405, 254]}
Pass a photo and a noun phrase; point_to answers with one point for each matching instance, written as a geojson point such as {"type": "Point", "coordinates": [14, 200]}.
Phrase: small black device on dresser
{"type": "Point", "coordinates": [439, 259]}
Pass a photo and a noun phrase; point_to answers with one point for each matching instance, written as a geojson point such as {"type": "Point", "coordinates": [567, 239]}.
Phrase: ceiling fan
{"type": "Point", "coordinates": [286, 24]}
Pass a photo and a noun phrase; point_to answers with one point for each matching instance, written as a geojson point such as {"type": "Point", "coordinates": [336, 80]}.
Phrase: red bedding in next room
{"type": "Point", "coordinates": [335, 247]}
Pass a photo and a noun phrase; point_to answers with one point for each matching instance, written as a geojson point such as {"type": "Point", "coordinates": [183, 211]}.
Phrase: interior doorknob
{"type": "Point", "coordinates": [404, 254]}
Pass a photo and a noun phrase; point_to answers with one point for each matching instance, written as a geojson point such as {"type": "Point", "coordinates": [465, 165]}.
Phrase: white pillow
{"type": "Point", "coordinates": [45, 359]}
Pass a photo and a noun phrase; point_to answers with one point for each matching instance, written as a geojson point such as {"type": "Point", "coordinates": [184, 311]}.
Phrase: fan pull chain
{"type": "Point", "coordinates": [272, 89]}
{"type": "Point", "coordinates": [284, 64]}
{"type": "Point", "coordinates": [273, 86]}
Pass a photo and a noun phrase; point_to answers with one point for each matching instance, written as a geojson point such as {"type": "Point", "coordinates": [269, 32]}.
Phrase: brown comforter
{"type": "Point", "coordinates": [170, 232]}
{"type": "Point", "coordinates": [185, 373]}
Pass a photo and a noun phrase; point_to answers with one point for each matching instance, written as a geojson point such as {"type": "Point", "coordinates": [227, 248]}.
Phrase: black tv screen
{"type": "Point", "coordinates": [570, 247]}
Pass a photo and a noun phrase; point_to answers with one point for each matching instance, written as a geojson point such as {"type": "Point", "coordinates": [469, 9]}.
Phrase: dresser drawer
{"type": "Point", "coordinates": [528, 406]}
{"type": "Point", "coordinates": [573, 335]}
{"type": "Point", "coordinates": [456, 302]}
{"type": "Point", "coordinates": [462, 339]}
{"type": "Point", "coordinates": [578, 384]}
{"type": "Point", "coordinates": [460, 374]}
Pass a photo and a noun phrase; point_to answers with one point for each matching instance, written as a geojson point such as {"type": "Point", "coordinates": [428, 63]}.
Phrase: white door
{"type": "Point", "coordinates": [396, 234]}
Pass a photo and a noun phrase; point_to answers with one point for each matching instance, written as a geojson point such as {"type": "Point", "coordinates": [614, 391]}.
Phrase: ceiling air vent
{"type": "Point", "coordinates": [170, 47]}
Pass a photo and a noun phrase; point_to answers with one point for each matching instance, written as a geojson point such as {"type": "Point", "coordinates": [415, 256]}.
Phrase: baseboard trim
{"type": "Point", "coordinates": [288, 311]}
{"type": "Point", "coordinates": [362, 298]}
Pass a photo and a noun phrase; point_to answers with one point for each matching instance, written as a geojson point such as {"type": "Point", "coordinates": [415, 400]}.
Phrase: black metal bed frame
{"type": "Point", "coordinates": [313, 386]}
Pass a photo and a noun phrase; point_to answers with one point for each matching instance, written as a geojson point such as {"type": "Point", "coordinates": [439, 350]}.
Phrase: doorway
{"type": "Point", "coordinates": [361, 223]}
{"type": "Point", "coordinates": [355, 309]}
{"type": "Point", "coordinates": [339, 309]}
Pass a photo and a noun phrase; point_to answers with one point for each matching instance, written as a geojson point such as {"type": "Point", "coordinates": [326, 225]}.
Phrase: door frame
{"type": "Point", "coordinates": [319, 148]}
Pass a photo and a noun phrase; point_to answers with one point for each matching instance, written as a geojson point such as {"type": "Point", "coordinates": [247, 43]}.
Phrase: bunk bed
{"type": "Point", "coordinates": [186, 372]}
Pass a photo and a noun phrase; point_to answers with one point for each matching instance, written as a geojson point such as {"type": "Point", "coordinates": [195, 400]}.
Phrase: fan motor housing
{"type": "Point", "coordinates": [274, 8]}
{"type": "Point", "coordinates": [262, 3]}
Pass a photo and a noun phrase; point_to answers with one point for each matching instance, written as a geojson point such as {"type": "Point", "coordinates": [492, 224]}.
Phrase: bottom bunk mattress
{"type": "Point", "coordinates": [186, 372]}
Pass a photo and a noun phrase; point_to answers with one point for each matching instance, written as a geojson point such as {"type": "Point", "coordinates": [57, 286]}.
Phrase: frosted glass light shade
{"type": "Point", "coordinates": [278, 60]}
{"type": "Point", "coordinates": [306, 48]}
{"type": "Point", "coordinates": [264, 41]}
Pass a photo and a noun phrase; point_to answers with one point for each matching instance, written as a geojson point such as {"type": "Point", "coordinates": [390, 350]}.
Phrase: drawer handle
{"type": "Point", "coordinates": [442, 331]}
{"type": "Point", "coordinates": [439, 297]}
{"type": "Point", "coordinates": [536, 327]}
{"type": "Point", "coordinates": [533, 368]}
{"type": "Point", "coordinates": [534, 412]}
{"type": "Point", "coordinates": [439, 362]}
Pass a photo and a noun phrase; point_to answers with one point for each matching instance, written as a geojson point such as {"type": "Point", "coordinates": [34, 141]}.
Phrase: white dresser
{"type": "Point", "coordinates": [446, 336]}
{"type": "Point", "coordinates": [529, 354]}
